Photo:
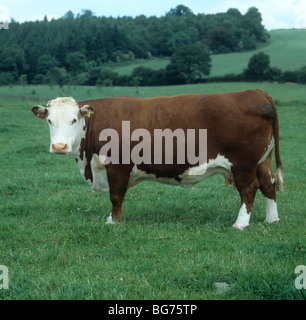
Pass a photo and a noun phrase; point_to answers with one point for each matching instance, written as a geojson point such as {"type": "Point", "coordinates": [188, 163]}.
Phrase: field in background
{"type": "Point", "coordinates": [286, 49]}
{"type": "Point", "coordinates": [283, 94]}
{"type": "Point", "coordinates": [174, 243]}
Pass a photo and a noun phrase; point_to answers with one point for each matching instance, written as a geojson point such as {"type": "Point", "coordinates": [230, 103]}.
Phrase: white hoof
{"type": "Point", "coordinates": [274, 220]}
{"type": "Point", "coordinates": [240, 227]}
{"type": "Point", "coordinates": [109, 219]}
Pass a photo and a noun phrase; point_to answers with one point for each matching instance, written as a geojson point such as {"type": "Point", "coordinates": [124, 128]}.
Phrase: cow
{"type": "Point", "coordinates": [241, 131]}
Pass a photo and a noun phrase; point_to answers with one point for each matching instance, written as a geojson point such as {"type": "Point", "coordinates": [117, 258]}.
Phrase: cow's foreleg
{"type": "Point", "coordinates": [247, 187]}
{"type": "Point", "coordinates": [117, 200]}
{"type": "Point", "coordinates": [118, 179]}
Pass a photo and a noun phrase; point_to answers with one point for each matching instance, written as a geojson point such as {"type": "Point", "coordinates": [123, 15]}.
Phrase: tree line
{"type": "Point", "coordinates": [77, 48]}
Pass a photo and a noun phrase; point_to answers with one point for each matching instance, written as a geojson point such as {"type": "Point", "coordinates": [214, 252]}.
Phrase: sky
{"type": "Point", "coordinates": [276, 14]}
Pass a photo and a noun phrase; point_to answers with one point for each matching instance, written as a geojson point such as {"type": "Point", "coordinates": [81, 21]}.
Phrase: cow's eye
{"type": "Point", "coordinates": [73, 121]}
{"type": "Point", "coordinates": [50, 122]}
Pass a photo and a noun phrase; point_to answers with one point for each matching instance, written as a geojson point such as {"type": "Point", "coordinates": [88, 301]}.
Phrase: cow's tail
{"type": "Point", "coordinates": [279, 165]}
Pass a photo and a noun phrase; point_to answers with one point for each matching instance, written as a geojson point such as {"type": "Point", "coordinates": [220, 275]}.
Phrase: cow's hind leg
{"type": "Point", "coordinates": [247, 185]}
{"type": "Point", "coordinates": [267, 183]}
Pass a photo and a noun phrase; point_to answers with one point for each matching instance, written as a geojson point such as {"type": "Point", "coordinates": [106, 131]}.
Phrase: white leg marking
{"type": "Point", "coordinates": [243, 218]}
{"type": "Point", "coordinates": [271, 211]}
{"type": "Point", "coordinates": [109, 219]}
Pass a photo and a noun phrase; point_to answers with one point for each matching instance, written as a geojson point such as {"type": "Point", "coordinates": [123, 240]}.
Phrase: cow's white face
{"type": "Point", "coordinates": [66, 122]}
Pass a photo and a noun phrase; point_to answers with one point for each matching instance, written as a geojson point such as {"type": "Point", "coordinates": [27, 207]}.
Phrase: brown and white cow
{"type": "Point", "coordinates": [242, 128]}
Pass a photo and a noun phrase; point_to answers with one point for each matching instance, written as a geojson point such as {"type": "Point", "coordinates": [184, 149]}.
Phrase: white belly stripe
{"type": "Point", "coordinates": [190, 176]}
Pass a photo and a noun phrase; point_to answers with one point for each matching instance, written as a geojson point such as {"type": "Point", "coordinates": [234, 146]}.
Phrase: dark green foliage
{"type": "Point", "coordinates": [81, 43]}
{"type": "Point", "coordinates": [298, 76]}
{"type": "Point", "coordinates": [45, 63]}
{"type": "Point", "coordinates": [181, 11]}
{"type": "Point", "coordinates": [220, 40]}
{"type": "Point", "coordinates": [58, 76]}
{"type": "Point", "coordinates": [75, 62]}
{"type": "Point", "coordinates": [191, 62]}
{"type": "Point", "coordinates": [302, 75]}
{"type": "Point", "coordinates": [258, 67]}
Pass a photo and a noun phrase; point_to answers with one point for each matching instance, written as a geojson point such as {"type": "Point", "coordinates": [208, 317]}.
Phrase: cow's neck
{"type": "Point", "coordinates": [82, 141]}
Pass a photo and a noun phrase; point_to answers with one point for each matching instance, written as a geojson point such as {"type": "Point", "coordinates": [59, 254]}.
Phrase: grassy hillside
{"type": "Point", "coordinates": [154, 63]}
{"type": "Point", "coordinates": [287, 50]}
{"type": "Point", "coordinates": [174, 243]}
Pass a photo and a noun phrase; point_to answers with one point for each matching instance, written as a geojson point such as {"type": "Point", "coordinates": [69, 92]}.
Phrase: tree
{"type": "Point", "coordinates": [76, 62]}
{"type": "Point", "coordinates": [258, 67]}
{"type": "Point", "coordinates": [86, 14]}
{"type": "Point", "coordinates": [135, 82]}
{"type": "Point", "coordinates": [252, 21]}
{"type": "Point", "coordinates": [108, 83]}
{"type": "Point", "coordinates": [220, 40]}
{"type": "Point", "coordinates": [234, 12]}
{"type": "Point", "coordinates": [13, 60]}
{"type": "Point", "coordinates": [6, 78]}
{"type": "Point", "coordinates": [68, 15]}
{"type": "Point", "coordinates": [180, 11]}
{"type": "Point", "coordinates": [58, 76]}
{"type": "Point", "coordinates": [302, 75]}
{"type": "Point", "coordinates": [82, 78]}
{"type": "Point", "coordinates": [81, 42]}
{"type": "Point", "coordinates": [23, 80]}
{"type": "Point", "coordinates": [191, 61]}
{"type": "Point", "coordinates": [45, 63]}
{"type": "Point", "coordinates": [274, 74]}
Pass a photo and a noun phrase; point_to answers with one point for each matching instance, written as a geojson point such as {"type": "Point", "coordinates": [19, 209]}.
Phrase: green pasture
{"type": "Point", "coordinates": [126, 68]}
{"type": "Point", "coordinates": [173, 243]}
{"type": "Point", "coordinates": [287, 51]}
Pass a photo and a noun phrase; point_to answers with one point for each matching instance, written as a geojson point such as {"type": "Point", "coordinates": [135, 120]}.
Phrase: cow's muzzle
{"type": "Point", "coordinates": [59, 148]}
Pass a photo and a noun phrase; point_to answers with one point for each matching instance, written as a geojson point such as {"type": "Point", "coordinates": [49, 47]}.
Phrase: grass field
{"type": "Point", "coordinates": [287, 51]}
{"type": "Point", "coordinates": [173, 243]}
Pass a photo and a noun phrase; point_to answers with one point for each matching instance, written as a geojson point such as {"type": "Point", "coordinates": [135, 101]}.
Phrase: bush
{"type": "Point", "coordinates": [302, 75]}
{"type": "Point", "coordinates": [290, 76]}
{"type": "Point", "coordinates": [274, 74]}
{"type": "Point", "coordinates": [258, 67]}
{"type": "Point", "coordinates": [99, 74]}
{"type": "Point", "coordinates": [39, 79]}
{"type": "Point", "coordinates": [6, 78]}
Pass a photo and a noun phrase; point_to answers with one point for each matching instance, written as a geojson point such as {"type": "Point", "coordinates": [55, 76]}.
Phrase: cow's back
{"type": "Point", "coordinates": [228, 117]}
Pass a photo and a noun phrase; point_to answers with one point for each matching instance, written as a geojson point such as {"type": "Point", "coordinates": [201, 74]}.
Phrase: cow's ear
{"type": "Point", "coordinates": [86, 111]}
{"type": "Point", "coordinates": [40, 112]}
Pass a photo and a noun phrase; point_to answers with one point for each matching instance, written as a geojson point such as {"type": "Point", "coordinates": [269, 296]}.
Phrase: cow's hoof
{"type": "Point", "coordinates": [239, 227]}
{"type": "Point", "coordinates": [274, 220]}
{"type": "Point", "coordinates": [109, 219]}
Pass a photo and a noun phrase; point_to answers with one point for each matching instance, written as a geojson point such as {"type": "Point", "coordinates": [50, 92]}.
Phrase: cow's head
{"type": "Point", "coordinates": [66, 122]}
